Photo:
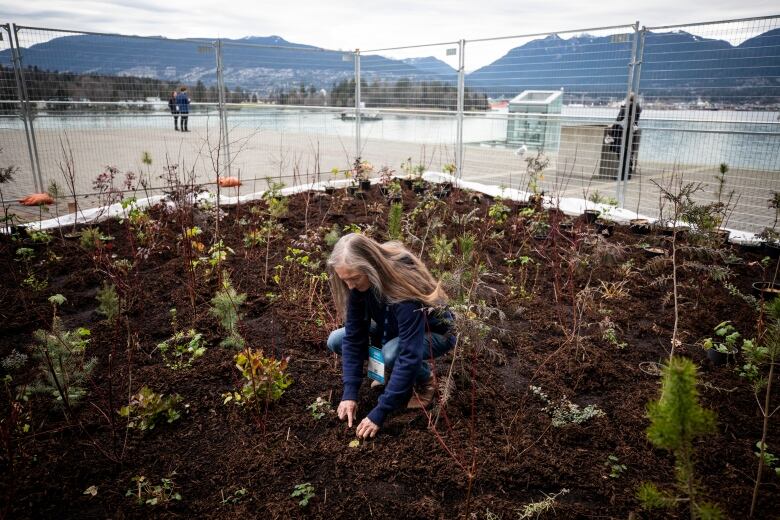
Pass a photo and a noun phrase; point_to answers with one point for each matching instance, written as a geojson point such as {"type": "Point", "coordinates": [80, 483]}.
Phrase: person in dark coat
{"type": "Point", "coordinates": [395, 317]}
{"type": "Point", "coordinates": [631, 109]}
{"type": "Point", "coordinates": [183, 104]}
{"type": "Point", "coordinates": [173, 107]}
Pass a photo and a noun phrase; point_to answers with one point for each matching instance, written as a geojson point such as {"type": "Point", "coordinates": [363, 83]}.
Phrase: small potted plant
{"type": "Point", "coordinates": [385, 179]}
{"type": "Point", "coordinates": [605, 227]}
{"type": "Point", "coordinates": [408, 170]}
{"type": "Point", "coordinates": [330, 189]}
{"type": "Point", "coordinates": [360, 172]}
{"type": "Point", "coordinates": [640, 226]}
{"type": "Point", "coordinates": [724, 347]}
{"type": "Point", "coordinates": [591, 215]}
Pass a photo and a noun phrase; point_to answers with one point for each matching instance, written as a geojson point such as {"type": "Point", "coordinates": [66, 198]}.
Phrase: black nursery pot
{"type": "Point", "coordinates": [771, 249]}
{"type": "Point", "coordinates": [766, 290]}
{"type": "Point", "coordinates": [365, 185]}
{"type": "Point", "coordinates": [719, 358]}
{"type": "Point", "coordinates": [639, 226]}
{"type": "Point", "coordinates": [352, 190]}
{"type": "Point", "coordinates": [330, 190]}
{"type": "Point", "coordinates": [605, 228]}
{"type": "Point", "coordinates": [591, 215]}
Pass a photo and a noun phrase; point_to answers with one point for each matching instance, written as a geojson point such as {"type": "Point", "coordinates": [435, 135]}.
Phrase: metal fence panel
{"type": "Point", "coordinates": [552, 97]}
{"type": "Point", "coordinates": [15, 151]}
{"type": "Point", "coordinates": [284, 105]}
{"type": "Point", "coordinates": [104, 100]}
{"type": "Point", "coordinates": [710, 95]}
{"type": "Point", "coordinates": [409, 106]}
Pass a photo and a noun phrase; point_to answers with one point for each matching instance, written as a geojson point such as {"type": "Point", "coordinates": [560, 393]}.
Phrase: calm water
{"type": "Point", "coordinates": [742, 139]}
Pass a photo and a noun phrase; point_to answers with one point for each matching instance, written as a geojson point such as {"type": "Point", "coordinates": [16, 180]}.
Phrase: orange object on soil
{"type": "Point", "coordinates": [229, 182]}
{"type": "Point", "coordinates": [37, 199]}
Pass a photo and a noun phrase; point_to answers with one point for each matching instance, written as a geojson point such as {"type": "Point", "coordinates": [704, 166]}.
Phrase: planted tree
{"type": "Point", "coordinates": [226, 306]}
{"type": "Point", "coordinates": [61, 355]}
{"type": "Point", "coordinates": [759, 369]}
{"type": "Point", "coordinates": [676, 419]}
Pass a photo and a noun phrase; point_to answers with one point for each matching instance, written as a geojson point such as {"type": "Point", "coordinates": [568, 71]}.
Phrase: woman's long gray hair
{"type": "Point", "coordinates": [393, 271]}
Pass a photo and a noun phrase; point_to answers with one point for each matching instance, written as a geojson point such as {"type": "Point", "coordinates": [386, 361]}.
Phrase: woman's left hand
{"type": "Point", "coordinates": [366, 429]}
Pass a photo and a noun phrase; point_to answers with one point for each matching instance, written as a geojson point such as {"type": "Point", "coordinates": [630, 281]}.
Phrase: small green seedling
{"type": "Point", "coordinates": [616, 469]}
{"type": "Point", "coordinates": [319, 408]}
{"type": "Point", "coordinates": [305, 492]}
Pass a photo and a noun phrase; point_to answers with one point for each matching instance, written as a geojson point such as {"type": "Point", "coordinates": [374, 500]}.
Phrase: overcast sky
{"type": "Point", "coordinates": [347, 24]}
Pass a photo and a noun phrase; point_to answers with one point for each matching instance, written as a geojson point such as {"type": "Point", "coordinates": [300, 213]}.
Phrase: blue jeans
{"type": "Point", "coordinates": [437, 344]}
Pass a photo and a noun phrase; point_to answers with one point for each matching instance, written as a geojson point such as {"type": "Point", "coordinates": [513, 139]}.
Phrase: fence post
{"type": "Point", "coordinates": [24, 106]}
{"type": "Point", "coordinates": [357, 104]}
{"type": "Point", "coordinates": [461, 97]}
{"type": "Point", "coordinates": [622, 170]}
{"type": "Point", "coordinates": [626, 168]}
{"type": "Point", "coordinates": [223, 126]}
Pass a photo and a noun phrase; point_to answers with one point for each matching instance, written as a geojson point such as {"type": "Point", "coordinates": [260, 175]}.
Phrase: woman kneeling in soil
{"type": "Point", "coordinates": [390, 301]}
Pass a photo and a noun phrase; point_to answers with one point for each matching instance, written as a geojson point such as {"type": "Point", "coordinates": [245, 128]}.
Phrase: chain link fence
{"type": "Point", "coordinates": [612, 111]}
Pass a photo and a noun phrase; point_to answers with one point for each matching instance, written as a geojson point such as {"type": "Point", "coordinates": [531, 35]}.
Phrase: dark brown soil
{"type": "Point", "coordinates": [492, 419]}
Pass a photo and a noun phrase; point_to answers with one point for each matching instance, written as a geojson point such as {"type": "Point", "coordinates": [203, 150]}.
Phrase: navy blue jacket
{"type": "Point", "coordinates": [405, 320]}
{"type": "Point", "coordinates": [183, 102]}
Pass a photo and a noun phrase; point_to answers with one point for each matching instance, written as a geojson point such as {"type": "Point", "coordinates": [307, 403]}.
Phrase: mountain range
{"type": "Point", "coordinates": [675, 64]}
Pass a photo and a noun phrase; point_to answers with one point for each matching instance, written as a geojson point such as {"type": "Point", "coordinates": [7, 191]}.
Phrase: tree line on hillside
{"type": "Point", "coordinates": [406, 93]}
{"type": "Point", "coordinates": [57, 89]}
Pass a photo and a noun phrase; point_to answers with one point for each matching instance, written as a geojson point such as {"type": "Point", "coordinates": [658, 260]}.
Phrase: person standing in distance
{"type": "Point", "coordinates": [174, 108]}
{"type": "Point", "coordinates": [183, 104]}
{"type": "Point", "coordinates": [390, 301]}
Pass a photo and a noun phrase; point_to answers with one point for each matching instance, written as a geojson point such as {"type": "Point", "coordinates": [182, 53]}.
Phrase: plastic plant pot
{"type": "Point", "coordinates": [591, 215]}
{"type": "Point", "coordinates": [766, 290]}
{"type": "Point", "coordinates": [640, 226]}
{"type": "Point", "coordinates": [719, 358]}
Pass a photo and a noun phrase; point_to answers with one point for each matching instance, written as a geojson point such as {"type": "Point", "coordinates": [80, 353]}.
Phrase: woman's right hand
{"type": "Point", "coordinates": [347, 410]}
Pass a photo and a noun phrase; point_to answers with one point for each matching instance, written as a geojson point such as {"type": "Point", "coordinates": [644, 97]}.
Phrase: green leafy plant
{"type": "Point", "coordinates": [265, 379]}
{"type": "Point", "coordinates": [729, 339]}
{"type": "Point", "coordinates": [319, 408]}
{"type": "Point", "coordinates": [771, 460]}
{"type": "Point", "coordinates": [225, 306]}
{"type": "Point", "coordinates": [237, 496]}
{"type": "Point", "coordinates": [304, 492]}
{"type": "Point", "coordinates": [676, 419]}
{"type": "Point", "coordinates": [498, 212]}
{"type": "Point", "coordinates": [616, 469]}
{"type": "Point", "coordinates": [150, 494]}
{"type": "Point", "coordinates": [182, 349]}
{"type": "Point", "coordinates": [39, 237]}
{"type": "Point", "coordinates": [108, 302]}
{"type": "Point", "coordinates": [147, 408]}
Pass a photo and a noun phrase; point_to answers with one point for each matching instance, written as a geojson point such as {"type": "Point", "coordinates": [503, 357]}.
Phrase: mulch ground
{"type": "Point", "coordinates": [232, 462]}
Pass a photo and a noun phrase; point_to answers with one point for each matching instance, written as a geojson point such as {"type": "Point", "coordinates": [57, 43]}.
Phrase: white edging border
{"type": "Point", "coordinates": [568, 205]}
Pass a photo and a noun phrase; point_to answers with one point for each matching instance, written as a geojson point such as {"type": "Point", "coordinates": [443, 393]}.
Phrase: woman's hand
{"type": "Point", "coordinates": [366, 429]}
{"type": "Point", "coordinates": [347, 410]}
